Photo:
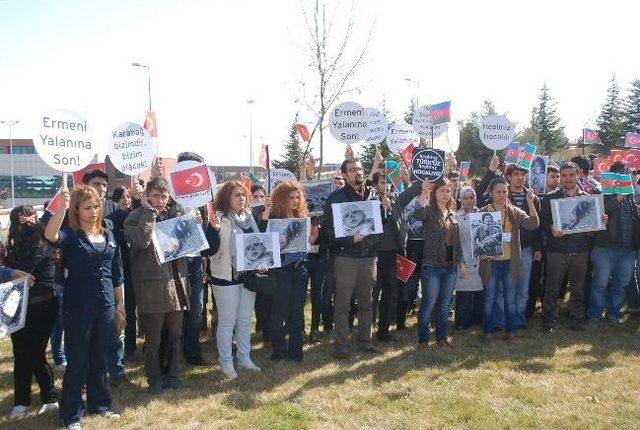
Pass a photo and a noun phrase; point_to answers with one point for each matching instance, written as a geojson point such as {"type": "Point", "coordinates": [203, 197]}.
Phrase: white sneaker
{"type": "Point", "coordinates": [229, 371]}
{"type": "Point", "coordinates": [73, 426]}
{"type": "Point", "coordinates": [47, 407]}
{"type": "Point", "coordinates": [249, 365]}
{"type": "Point", "coordinates": [109, 414]}
{"type": "Point", "coordinates": [18, 412]}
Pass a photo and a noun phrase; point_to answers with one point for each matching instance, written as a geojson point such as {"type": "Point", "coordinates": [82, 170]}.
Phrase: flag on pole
{"type": "Point", "coordinates": [407, 155]}
{"type": "Point", "coordinates": [590, 137]}
{"type": "Point", "coordinates": [404, 268]}
{"type": "Point", "coordinates": [441, 113]}
{"type": "Point", "coordinates": [150, 124]}
{"type": "Point", "coordinates": [253, 179]}
{"type": "Point", "coordinates": [616, 183]}
{"type": "Point", "coordinates": [526, 155]}
{"type": "Point", "coordinates": [264, 156]}
{"type": "Point", "coordinates": [55, 203]}
{"type": "Point", "coordinates": [513, 153]}
{"type": "Point", "coordinates": [303, 131]}
{"type": "Point", "coordinates": [632, 140]}
{"type": "Point", "coordinates": [465, 166]}
{"type": "Point", "coordinates": [394, 176]}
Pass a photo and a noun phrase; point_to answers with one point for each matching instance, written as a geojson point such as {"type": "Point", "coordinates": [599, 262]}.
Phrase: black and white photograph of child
{"type": "Point", "coordinates": [538, 174]}
{"type": "Point", "coordinates": [179, 237]}
{"type": "Point", "coordinates": [14, 296]}
{"type": "Point", "coordinates": [486, 234]}
{"type": "Point", "coordinates": [356, 217]}
{"type": "Point", "coordinates": [316, 194]}
{"type": "Point", "coordinates": [293, 233]}
{"type": "Point", "coordinates": [578, 214]}
{"type": "Point", "coordinates": [257, 251]}
{"type": "Point", "coordinates": [412, 225]}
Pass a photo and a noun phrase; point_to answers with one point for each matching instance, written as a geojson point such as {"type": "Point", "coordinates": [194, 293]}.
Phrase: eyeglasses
{"type": "Point", "coordinates": [355, 169]}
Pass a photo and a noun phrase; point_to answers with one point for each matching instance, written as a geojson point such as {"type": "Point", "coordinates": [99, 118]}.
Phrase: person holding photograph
{"type": "Point", "coordinates": [28, 252]}
{"type": "Point", "coordinates": [442, 258]}
{"type": "Point", "coordinates": [161, 290]}
{"type": "Point", "coordinates": [287, 309]}
{"type": "Point", "coordinates": [505, 270]}
{"type": "Point", "coordinates": [567, 255]}
{"type": "Point", "coordinates": [93, 301]}
{"type": "Point", "coordinates": [234, 302]}
{"type": "Point", "coordinates": [614, 255]}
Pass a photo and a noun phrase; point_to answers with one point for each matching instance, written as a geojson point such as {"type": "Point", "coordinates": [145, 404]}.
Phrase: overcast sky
{"type": "Point", "coordinates": [208, 58]}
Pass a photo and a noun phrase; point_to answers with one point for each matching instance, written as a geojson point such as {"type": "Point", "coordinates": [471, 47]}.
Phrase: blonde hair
{"type": "Point", "coordinates": [79, 196]}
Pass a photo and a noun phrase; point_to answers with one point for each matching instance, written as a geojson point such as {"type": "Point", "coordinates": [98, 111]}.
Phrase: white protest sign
{"type": "Point", "coordinates": [449, 140]}
{"type": "Point", "coordinates": [377, 129]}
{"type": "Point", "coordinates": [280, 175]}
{"type": "Point", "coordinates": [131, 150]}
{"type": "Point", "coordinates": [348, 122]}
{"type": "Point", "coordinates": [190, 184]}
{"type": "Point", "coordinates": [496, 132]}
{"type": "Point", "coordinates": [64, 140]}
{"type": "Point", "coordinates": [400, 136]}
{"type": "Point", "coordinates": [422, 121]}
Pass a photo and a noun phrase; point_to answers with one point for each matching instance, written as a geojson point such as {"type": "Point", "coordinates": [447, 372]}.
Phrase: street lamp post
{"type": "Point", "coordinates": [250, 103]}
{"type": "Point", "coordinates": [417, 91]}
{"type": "Point", "coordinates": [11, 124]}
{"type": "Point", "coordinates": [148, 79]}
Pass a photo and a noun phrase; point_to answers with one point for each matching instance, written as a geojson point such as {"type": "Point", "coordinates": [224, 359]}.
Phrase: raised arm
{"type": "Point", "coordinates": [52, 230]}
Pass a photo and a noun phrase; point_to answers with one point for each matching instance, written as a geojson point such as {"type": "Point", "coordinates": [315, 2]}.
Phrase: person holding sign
{"type": "Point", "coordinates": [92, 299]}
{"type": "Point", "coordinates": [234, 302]}
{"type": "Point", "coordinates": [287, 304]}
{"type": "Point", "coordinates": [505, 270]}
{"type": "Point", "coordinates": [161, 290]}
{"type": "Point", "coordinates": [441, 259]}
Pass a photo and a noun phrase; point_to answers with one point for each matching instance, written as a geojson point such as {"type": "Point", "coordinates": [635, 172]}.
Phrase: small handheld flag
{"type": "Point", "coordinates": [616, 183]}
{"type": "Point", "coordinates": [404, 268]}
{"type": "Point", "coordinates": [513, 153]}
{"type": "Point", "coordinates": [465, 166]}
{"type": "Point", "coordinates": [526, 156]}
{"type": "Point", "coordinates": [632, 140]}
{"type": "Point", "coordinates": [590, 137]}
{"type": "Point", "coordinates": [394, 177]}
{"type": "Point", "coordinates": [407, 155]}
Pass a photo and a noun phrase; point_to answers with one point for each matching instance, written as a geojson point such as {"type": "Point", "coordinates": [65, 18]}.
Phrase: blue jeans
{"type": "Point", "coordinates": [633, 292]}
{"type": "Point", "coordinates": [88, 334]}
{"type": "Point", "coordinates": [115, 355]}
{"type": "Point", "coordinates": [437, 294]}
{"type": "Point", "coordinates": [500, 277]}
{"type": "Point", "coordinates": [57, 345]}
{"type": "Point", "coordinates": [612, 270]}
{"type": "Point", "coordinates": [287, 311]}
{"type": "Point", "coordinates": [193, 318]}
{"type": "Point", "coordinates": [522, 287]}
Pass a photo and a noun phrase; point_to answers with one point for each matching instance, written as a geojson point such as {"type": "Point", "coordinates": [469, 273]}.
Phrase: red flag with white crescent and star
{"type": "Point", "coordinates": [632, 140]}
{"type": "Point", "coordinates": [192, 180]}
{"type": "Point", "coordinates": [150, 124]}
{"type": "Point", "coordinates": [601, 165]}
{"type": "Point", "coordinates": [303, 131]}
{"type": "Point", "coordinates": [55, 203]}
{"type": "Point", "coordinates": [407, 155]}
{"type": "Point", "coordinates": [404, 268]}
{"type": "Point", "coordinates": [77, 176]}
{"type": "Point", "coordinates": [632, 159]}
{"type": "Point", "coordinates": [590, 137]}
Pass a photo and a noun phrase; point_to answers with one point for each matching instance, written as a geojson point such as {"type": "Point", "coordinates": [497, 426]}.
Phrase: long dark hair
{"type": "Point", "coordinates": [442, 182]}
{"type": "Point", "coordinates": [26, 243]}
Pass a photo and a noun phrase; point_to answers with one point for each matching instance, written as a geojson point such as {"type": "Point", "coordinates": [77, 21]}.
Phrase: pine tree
{"type": "Point", "coordinates": [292, 151]}
{"type": "Point", "coordinates": [631, 108]}
{"type": "Point", "coordinates": [610, 123]}
{"type": "Point", "coordinates": [546, 124]}
{"type": "Point", "coordinates": [471, 147]}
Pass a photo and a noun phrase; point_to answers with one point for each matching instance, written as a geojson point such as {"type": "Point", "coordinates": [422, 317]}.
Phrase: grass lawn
{"type": "Point", "coordinates": [564, 380]}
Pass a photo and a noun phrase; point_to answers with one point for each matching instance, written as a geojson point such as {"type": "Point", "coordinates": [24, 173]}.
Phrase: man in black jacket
{"type": "Point", "coordinates": [354, 264]}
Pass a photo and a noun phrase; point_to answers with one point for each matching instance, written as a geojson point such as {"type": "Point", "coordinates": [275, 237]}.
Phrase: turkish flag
{"type": "Point", "coordinates": [407, 155]}
{"type": "Point", "coordinates": [55, 203]}
{"type": "Point", "coordinates": [150, 124]}
{"type": "Point", "coordinates": [192, 180]}
{"type": "Point", "coordinates": [601, 165]}
{"type": "Point", "coordinates": [246, 183]}
{"type": "Point", "coordinates": [632, 159]}
{"type": "Point", "coordinates": [77, 176]}
{"type": "Point", "coordinates": [616, 155]}
{"type": "Point", "coordinates": [404, 268]}
{"type": "Point", "coordinates": [303, 131]}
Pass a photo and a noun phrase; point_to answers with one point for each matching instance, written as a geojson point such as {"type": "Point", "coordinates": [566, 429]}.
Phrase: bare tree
{"type": "Point", "coordinates": [332, 59]}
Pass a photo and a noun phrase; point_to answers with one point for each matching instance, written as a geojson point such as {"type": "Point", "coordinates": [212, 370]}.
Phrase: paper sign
{"type": "Point", "coordinates": [280, 175]}
{"type": "Point", "coordinates": [427, 164]}
{"type": "Point", "coordinates": [257, 250]}
{"type": "Point", "coordinates": [496, 132]}
{"type": "Point", "coordinates": [538, 174]}
{"type": "Point", "coordinates": [421, 121]}
{"type": "Point", "coordinates": [362, 217]}
{"type": "Point", "coordinates": [348, 122]}
{"type": "Point", "coordinates": [14, 300]}
{"type": "Point", "coordinates": [178, 237]}
{"type": "Point", "coordinates": [400, 136]}
{"type": "Point", "coordinates": [64, 140]}
{"type": "Point", "coordinates": [377, 126]}
{"type": "Point", "coordinates": [190, 184]}
{"type": "Point", "coordinates": [131, 149]}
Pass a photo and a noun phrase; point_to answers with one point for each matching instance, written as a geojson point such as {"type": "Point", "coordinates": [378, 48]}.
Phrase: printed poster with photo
{"type": "Point", "coordinates": [178, 237]}
{"type": "Point", "coordinates": [316, 193]}
{"type": "Point", "coordinates": [293, 233]}
{"type": "Point", "coordinates": [578, 214]}
{"type": "Point", "coordinates": [538, 174]}
{"type": "Point", "coordinates": [361, 217]}
{"type": "Point", "coordinates": [486, 234]}
{"type": "Point", "coordinates": [14, 299]}
{"type": "Point", "coordinates": [257, 251]}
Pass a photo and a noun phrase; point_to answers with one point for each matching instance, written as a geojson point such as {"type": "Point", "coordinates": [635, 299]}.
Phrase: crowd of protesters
{"type": "Point", "coordinates": [98, 283]}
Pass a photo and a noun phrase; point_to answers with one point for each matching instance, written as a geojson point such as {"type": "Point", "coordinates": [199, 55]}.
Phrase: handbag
{"type": "Point", "coordinates": [262, 283]}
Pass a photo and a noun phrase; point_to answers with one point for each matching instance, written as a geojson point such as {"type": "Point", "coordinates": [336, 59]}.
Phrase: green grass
{"type": "Point", "coordinates": [587, 380]}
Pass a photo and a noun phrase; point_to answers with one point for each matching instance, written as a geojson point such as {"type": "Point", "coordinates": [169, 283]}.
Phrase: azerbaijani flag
{"type": "Point", "coordinates": [632, 140]}
{"type": "Point", "coordinates": [465, 166]}
{"type": "Point", "coordinates": [590, 137]}
{"type": "Point", "coordinates": [394, 176]}
{"type": "Point", "coordinates": [513, 153]}
{"type": "Point", "coordinates": [441, 113]}
{"type": "Point", "coordinates": [526, 156]}
{"type": "Point", "coordinates": [616, 183]}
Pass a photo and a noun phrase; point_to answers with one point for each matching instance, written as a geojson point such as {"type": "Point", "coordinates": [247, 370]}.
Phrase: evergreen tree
{"type": "Point", "coordinates": [471, 147]}
{"type": "Point", "coordinates": [631, 108]}
{"type": "Point", "coordinates": [546, 124]}
{"type": "Point", "coordinates": [292, 151]}
{"type": "Point", "coordinates": [610, 123]}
